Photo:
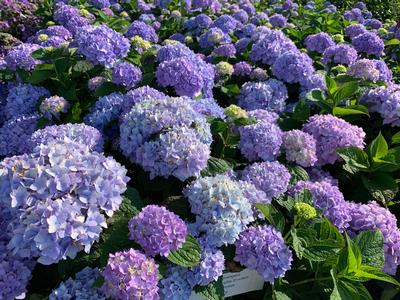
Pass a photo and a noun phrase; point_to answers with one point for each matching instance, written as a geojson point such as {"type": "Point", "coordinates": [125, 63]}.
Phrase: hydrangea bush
{"type": "Point", "coordinates": [148, 148]}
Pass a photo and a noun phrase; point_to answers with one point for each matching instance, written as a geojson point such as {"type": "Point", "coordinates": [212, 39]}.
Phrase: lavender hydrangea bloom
{"type": "Point", "coordinates": [263, 249]}
{"type": "Point", "coordinates": [22, 99]}
{"type": "Point", "coordinates": [143, 30]}
{"type": "Point", "coordinates": [15, 132]}
{"type": "Point", "coordinates": [52, 36]}
{"type": "Point", "coordinates": [261, 140]}
{"type": "Point", "coordinates": [319, 42]}
{"type": "Point", "coordinates": [221, 208]}
{"type": "Point", "coordinates": [371, 216]}
{"type": "Point", "coordinates": [241, 44]}
{"type": "Point", "coordinates": [270, 177]}
{"type": "Point", "coordinates": [211, 267]}
{"type": "Point", "coordinates": [331, 133]}
{"type": "Point", "coordinates": [270, 95]}
{"type": "Point", "coordinates": [277, 20]}
{"type": "Point", "coordinates": [225, 50]}
{"type": "Point", "coordinates": [317, 174]}
{"type": "Point", "coordinates": [170, 52]}
{"type": "Point", "coordinates": [79, 133]}
{"type": "Point", "coordinates": [293, 67]}
{"type": "Point", "coordinates": [354, 15]}
{"type": "Point", "coordinates": [369, 43]}
{"type": "Point", "coordinates": [370, 69]}
{"type": "Point", "coordinates": [339, 54]}
{"type": "Point", "coordinates": [226, 23]}
{"type": "Point", "coordinates": [329, 199]}
{"type": "Point", "coordinates": [316, 81]}
{"type": "Point", "coordinates": [95, 82]}
{"type": "Point", "coordinates": [20, 57]}
{"type": "Point", "coordinates": [15, 274]}
{"type": "Point", "coordinates": [355, 30]}
{"type": "Point", "coordinates": [300, 147]}
{"type": "Point", "coordinates": [259, 18]}
{"type": "Point", "coordinates": [81, 287]}
{"type": "Point", "coordinates": [126, 74]}
{"type": "Point", "coordinates": [130, 275]}
{"type": "Point", "coordinates": [242, 68]}
{"type": "Point", "coordinates": [270, 46]}
{"type": "Point", "coordinates": [181, 146]}
{"type": "Point", "coordinates": [70, 17]}
{"type": "Point", "coordinates": [208, 107]}
{"type": "Point", "coordinates": [101, 45]}
{"type": "Point", "coordinates": [174, 285]}
{"type": "Point", "coordinates": [106, 110]}
{"type": "Point", "coordinates": [53, 106]}
{"type": "Point", "coordinates": [241, 15]}
{"type": "Point", "coordinates": [157, 230]}
{"type": "Point", "coordinates": [138, 95]}
{"type": "Point", "coordinates": [246, 31]}
{"type": "Point", "coordinates": [360, 5]}
{"type": "Point", "coordinates": [373, 23]}
{"type": "Point", "coordinates": [100, 4]}
{"type": "Point", "coordinates": [212, 37]}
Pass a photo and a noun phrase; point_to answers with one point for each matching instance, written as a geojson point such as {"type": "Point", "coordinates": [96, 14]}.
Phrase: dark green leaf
{"type": "Point", "coordinates": [378, 147]}
{"type": "Point", "coordinates": [274, 216]}
{"type": "Point", "coordinates": [38, 76]}
{"type": "Point", "coordinates": [298, 173]}
{"type": "Point", "coordinates": [105, 89]}
{"type": "Point", "coordinates": [316, 95]}
{"type": "Point", "coordinates": [382, 186]}
{"type": "Point", "coordinates": [350, 110]}
{"type": "Point", "coordinates": [371, 247]}
{"type": "Point", "coordinates": [355, 158]}
{"type": "Point", "coordinates": [215, 166]}
{"type": "Point", "coordinates": [345, 91]}
{"type": "Point", "coordinates": [212, 291]}
{"type": "Point", "coordinates": [188, 256]}
{"type": "Point", "coordinates": [301, 112]}
{"type": "Point", "coordinates": [368, 272]}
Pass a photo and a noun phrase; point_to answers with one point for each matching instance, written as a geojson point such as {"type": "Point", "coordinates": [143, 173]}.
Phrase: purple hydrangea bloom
{"type": "Point", "coordinates": [248, 7]}
{"type": "Point", "coordinates": [22, 99]}
{"type": "Point", "coordinates": [330, 133]}
{"type": "Point", "coordinates": [212, 37]}
{"type": "Point", "coordinates": [259, 18]}
{"type": "Point", "coordinates": [261, 140]}
{"type": "Point", "coordinates": [100, 4]}
{"type": "Point", "coordinates": [15, 132]}
{"type": "Point", "coordinates": [61, 202]}
{"type": "Point", "coordinates": [278, 20]}
{"type": "Point", "coordinates": [70, 17]}
{"type": "Point", "coordinates": [329, 199]}
{"type": "Point", "coordinates": [95, 82]}
{"type": "Point", "coordinates": [198, 23]}
{"type": "Point", "coordinates": [299, 147]}
{"type": "Point", "coordinates": [226, 23]}
{"type": "Point", "coordinates": [106, 110]}
{"type": "Point", "coordinates": [371, 216]}
{"type": "Point", "coordinates": [317, 174]}
{"type": "Point", "coordinates": [53, 106]}
{"type": "Point", "coordinates": [241, 15]}
{"type": "Point", "coordinates": [126, 74]}
{"type": "Point", "coordinates": [360, 5]}
{"type": "Point", "coordinates": [293, 67]}
{"type": "Point", "coordinates": [176, 144]}
{"type": "Point", "coordinates": [53, 36]}
{"type": "Point", "coordinates": [207, 107]}
{"type": "Point", "coordinates": [270, 177]}
{"type": "Point", "coordinates": [78, 133]}
{"type": "Point", "coordinates": [316, 81]}
{"type": "Point", "coordinates": [369, 43]}
{"type": "Point", "coordinates": [354, 15]}
{"type": "Point", "coordinates": [130, 274]}
{"type": "Point", "coordinates": [15, 274]}
{"type": "Point", "coordinates": [319, 42]}
{"type": "Point", "coordinates": [175, 284]}
{"type": "Point", "coordinates": [178, 37]}
{"type": "Point", "coordinates": [157, 230]}
{"type": "Point", "coordinates": [242, 68]}
{"type": "Point", "coordinates": [270, 46]}
{"type": "Point", "coordinates": [170, 52]}
{"type": "Point", "coordinates": [225, 50]}
{"type": "Point", "coordinates": [143, 30]}
{"type": "Point", "coordinates": [355, 30]}
{"type": "Point", "coordinates": [339, 54]}
{"type": "Point", "coordinates": [20, 57]}
{"type": "Point", "coordinates": [373, 23]}
{"type": "Point", "coordinates": [221, 208]}
{"type": "Point", "coordinates": [211, 267]}
{"type": "Point", "coordinates": [81, 287]}
{"type": "Point", "coordinates": [101, 45]}
{"type": "Point", "coordinates": [263, 249]}
{"type": "Point", "coordinates": [241, 44]}
{"type": "Point", "coordinates": [270, 95]}
{"type": "Point", "coordinates": [370, 69]}
{"type": "Point", "coordinates": [259, 74]}
{"type": "Point", "coordinates": [138, 95]}
{"type": "Point", "coordinates": [246, 31]}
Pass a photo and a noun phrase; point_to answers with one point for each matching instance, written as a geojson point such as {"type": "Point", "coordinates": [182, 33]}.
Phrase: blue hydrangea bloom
{"type": "Point", "coordinates": [139, 28]}
{"type": "Point", "coordinates": [126, 74]}
{"type": "Point", "coordinates": [174, 285]}
{"type": "Point", "coordinates": [138, 95]}
{"type": "Point", "coordinates": [70, 17]}
{"type": "Point", "coordinates": [212, 37]}
{"type": "Point", "coordinates": [20, 57]}
{"type": "Point", "coordinates": [293, 67]}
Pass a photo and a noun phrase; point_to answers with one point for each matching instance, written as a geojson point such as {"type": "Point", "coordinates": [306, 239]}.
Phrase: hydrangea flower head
{"type": "Point", "coordinates": [305, 211]}
{"type": "Point", "coordinates": [53, 106]}
{"type": "Point", "coordinates": [370, 69]}
{"type": "Point", "coordinates": [20, 57]}
{"type": "Point", "coordinates": [355, 30]}
{"type": "Point", "coordinates": [70, 17]}
{"type": "Point", "coordinates": [226, 23]}
{"type": "Point", "coordinates": [212, 37]}
{"type": "Point", "coordinates": [300, 147]}
{"type": "Point", "coordinates": [126, 74]}
{"type": "Point", "coordinates": [157, 230]}
{"type": "Point", "coordinates": [141, 29]}
{"type": "Point", "coordinates": [175, 284]}
{"type": "Point", "coordinates": [340, 54]}
{"type": "Point", "coordinates": [52, 36]}
{"type": "Point", "coordinates": [242, 68]}
{"type": "Point", "coordinates": [130, 274]}
{"type": "Point", "coordinates": [369, 42]}
{"type": "Point", "coordinates": [319, 42]}
{"type": "Point", "coordinates": [293, 67]}
{"type": "Point", "coordinates": [263, 249]}
{"type": "Point", "coordinates": [277, 20]}
{"type": "Point", "coordinates": [330, 133]}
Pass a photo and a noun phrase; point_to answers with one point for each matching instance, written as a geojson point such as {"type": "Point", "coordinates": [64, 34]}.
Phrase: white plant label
{"type": "Point", "coordinates": [238, 283]}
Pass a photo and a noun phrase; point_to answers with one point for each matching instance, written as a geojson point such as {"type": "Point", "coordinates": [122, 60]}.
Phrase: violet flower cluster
{"type": "Point", "coordinates": [300, 147]}
{"type": "Point", "coordinates": [53, 106]}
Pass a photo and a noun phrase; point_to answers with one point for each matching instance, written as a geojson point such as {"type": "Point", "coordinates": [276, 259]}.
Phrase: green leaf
{"type": "Point", "coordinates": [304, 196]}
{"type": "Point", "coordinates": [215, 166]}
{"type": "Point", "coordinates": [188, 256]}
{"type": "Point", "coordinates": [281, 291]}
{"type": "Point", "coordinates": [273, 216]}
{"type": "Point", "coordinates": [378, 147]}
{"type": "Point", "coordinates": [330, 84]}
{"type": "Point", "coordinates": [105, 89]}
{"type": "Point", "coordinates": [371, 247]}
{"type": "Point", "coordinates": [396, 138]}
{"type": "Point", "coordinates": [212, 291]}
{"type": "Point", "coordinates": [382, 186]}
{"type": "Point", "coordinates": [354, 257]}
{"type": "Point", "coordinates": [355, 158]}
{"type": "Point", "coordinates": [301, 112]}
{"type": "Point", "coordinates": [316, 95]}
{"type": "Point", "coordinates": [350, 110]}
{"type": "Point", "coordinates": [345, 289]}
{"type": "Point", "coordinates": [38, 76]}
{"type": "Point", "coordinates": [368, 272]}
{"type": "Point", "coordinates": [392, 42]}
{"type": "Point", "coordinates": [298, 173]}
{"type": "Point", "coordinates": [345, 91]}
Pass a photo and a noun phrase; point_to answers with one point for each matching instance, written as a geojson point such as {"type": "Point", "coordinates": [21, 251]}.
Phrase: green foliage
{"type": "Point", "coordinates": [212, 291]}
{"type": "Point", "coordinates": [215, 166]}
{"type": "Point", "coordinates": [188, 256]}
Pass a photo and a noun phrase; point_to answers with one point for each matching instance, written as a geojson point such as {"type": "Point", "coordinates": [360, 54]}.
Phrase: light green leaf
{"type": "Point", "coordinates": [274, 216]}
{"type": "Point", "coordinates": [350, 110]}
{"type": "Point", "coordinates": [396, 138]}
{"type": "Point", "coordinates": [355, 158]}
{"type": "Point", "coordinates": [212, 291]}
{"type": "Point", "coordinates": [378, 147]}
{"type": "Point", "coordinates": [188, 256]}
{"type": "Point", "coordinates": [371, 246]}
{"type": "Point", "coordinates": [392, 42]}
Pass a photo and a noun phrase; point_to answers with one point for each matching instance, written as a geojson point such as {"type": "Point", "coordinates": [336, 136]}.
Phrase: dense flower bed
{"type": "Point", "coordinates": [149, 147]}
